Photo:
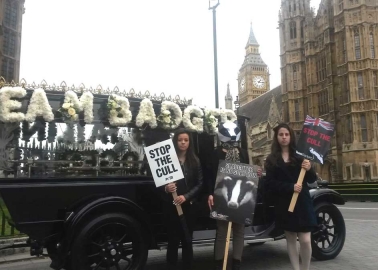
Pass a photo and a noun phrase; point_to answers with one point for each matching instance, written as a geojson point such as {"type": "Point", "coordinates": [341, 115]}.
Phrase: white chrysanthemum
{"type": "Point", "coordinates": [39, 106]}
{"type": "Point", "coordinates": [123, 103]}
{"type": "Point", "coordinates": [87, 103]}
{"type": "Point", "coordinates": [228, 116]}
{"type": "Point", "coordinates": [197, 123]}
{"type": "Point", "coordinates": [176, 112]}
{"type": "Point", "coordinates": [7, 105]}
{"type": "Point", "coordinates": [146, 114]}
{"type": "Point", "coordinates": [212, 114]}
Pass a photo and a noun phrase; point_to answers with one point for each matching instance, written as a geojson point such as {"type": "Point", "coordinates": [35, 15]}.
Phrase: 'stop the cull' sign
{"type": "Point", "coordinates": [315, 139]}
{"type": "Point", "coordinates": [164, 164]}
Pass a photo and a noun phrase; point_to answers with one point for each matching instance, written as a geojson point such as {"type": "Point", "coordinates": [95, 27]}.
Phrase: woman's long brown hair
{"type": "Point", "coordinates": [191, 158]}
{"type": "Point", "coordinates": [276, 150]}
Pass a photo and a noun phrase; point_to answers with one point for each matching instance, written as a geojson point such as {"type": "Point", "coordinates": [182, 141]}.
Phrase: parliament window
{"type": "Point", "coordinates": [372, 50]}
{"type": "Point", "coordinates": [364, 135]}
{"type": "Point", "coordinates": [296, 109]}
{"type": "Point", "coordinates": [345, 90]}
{"type": "Point", "coordinates": [341, 5]}
{"type": "Point", "coordinates": [360, 86]}
{"type": "Point", "coordinates": [321, 68]}
{"type": "Point", "coordinates": [348, 134]}
{"type": "Point", "coordinates": [323, 102]}
{"type": "Point", "coordinates": [293, 30]}
{"type": "Point", "coordinates": [7, 69]}
{"type": "Point", "coordinates": [11, 14]}
{"type": "Point", "coordinates": [344, 51]}
{"type": "Point", "coordinates": [286, 112]}
{"type": "Point", "coordinates": [357, 45]}
{"type": "Point", "coordinates": [375, 83]}
{"type": "Point", "coordinates": [9, 43]}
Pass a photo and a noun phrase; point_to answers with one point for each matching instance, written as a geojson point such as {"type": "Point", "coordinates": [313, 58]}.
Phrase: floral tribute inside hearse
{"type": "Point", "coordinates": [55, 131]}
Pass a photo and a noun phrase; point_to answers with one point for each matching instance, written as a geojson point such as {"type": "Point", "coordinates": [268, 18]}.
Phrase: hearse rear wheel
{"type": "Point", "coordinates": [328, 239]}
{"type": "Point", "coordinates": [110, 241]}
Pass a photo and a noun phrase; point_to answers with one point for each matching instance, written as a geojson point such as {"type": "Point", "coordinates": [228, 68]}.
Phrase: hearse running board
{"type": "Point", "coordinates": [210, 242]}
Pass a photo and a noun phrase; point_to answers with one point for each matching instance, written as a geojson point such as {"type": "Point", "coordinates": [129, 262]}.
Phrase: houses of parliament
{"type": "Point", "coordinates": [329, 69]}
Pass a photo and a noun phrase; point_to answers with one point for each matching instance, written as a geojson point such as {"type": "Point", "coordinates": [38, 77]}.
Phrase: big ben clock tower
{"type": "Point", "coordinates": [253, 78]}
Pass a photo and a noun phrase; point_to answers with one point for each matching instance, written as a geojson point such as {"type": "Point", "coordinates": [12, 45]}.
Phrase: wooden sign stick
{"type": "Point", "coordinates": [178, 207]}
{"type": "Point", "coordinates": [227, 246]}
{"type": "Point", "coordinates": [295, 195]}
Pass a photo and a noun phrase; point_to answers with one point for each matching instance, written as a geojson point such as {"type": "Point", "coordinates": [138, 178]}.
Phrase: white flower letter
{"type": "Point", "coordinates": [212, 120]}
{"type": "Point", "coordinates": [146, 114]}
{"type": "Point", "coordinates": [7, 105]}
{"type": "Point", "coordinates": [225, 114]}
{"type": "Point", "coordinates": [123, 105]}
{"type": "Point", "coordinates": [197, 123]}
{"type": "Point", "coordinates": [87, 102]}
{"type": "Point", "coordinates": [84, 103]}
{"type": "Point", "coordinates": [177, 114]}
{"type": "Point", "coordinates": [39, 106]}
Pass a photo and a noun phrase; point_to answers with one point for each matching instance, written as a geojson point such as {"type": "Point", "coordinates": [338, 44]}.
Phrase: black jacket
{"type": "Point", "coordinates": [218, 155]}
{"type": "Point", "coordinates": [190, 186]}
{"type": "Point", "coordinates": [280, 181]}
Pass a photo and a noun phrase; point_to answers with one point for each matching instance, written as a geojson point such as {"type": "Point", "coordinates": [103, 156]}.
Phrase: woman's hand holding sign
{"type": "Point", "coordinates": [210, 201]}
{"type": "Point", "coordinates": [179, 200]}
{"type": "Point", "coordinates": [170, 188]}
{"type": "Point", "coordinates": [297, 188]}
{"type": "Point", "coordinates": [306, 165]}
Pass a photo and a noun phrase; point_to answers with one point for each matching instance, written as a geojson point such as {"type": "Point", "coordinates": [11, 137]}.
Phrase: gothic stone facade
{"type": "Point", "coordinates": [265, 113]}
{"type": "Point", "coordinates": [329, 69]}
{"type": "Point", "coordinates": [11, 12]}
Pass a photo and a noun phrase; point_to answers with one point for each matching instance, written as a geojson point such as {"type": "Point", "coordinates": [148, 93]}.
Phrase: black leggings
{"type": "Point", "coordinates": [176, 235]}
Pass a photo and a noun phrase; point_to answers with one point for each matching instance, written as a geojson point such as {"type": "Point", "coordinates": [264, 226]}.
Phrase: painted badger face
{"type": "Point", "coordinates": [229, 132]}
{"type": "Point", "coordinates": [236, 192]}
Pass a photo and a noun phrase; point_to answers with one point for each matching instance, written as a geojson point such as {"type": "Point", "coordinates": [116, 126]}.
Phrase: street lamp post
{"type": "Point", "coordinates": [237, 105]}
{"type": "Point", "coordinates": [213, 4]}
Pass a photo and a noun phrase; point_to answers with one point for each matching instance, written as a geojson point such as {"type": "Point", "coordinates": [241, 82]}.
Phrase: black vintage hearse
{"type": "Point", "coordinates": [82, 190]}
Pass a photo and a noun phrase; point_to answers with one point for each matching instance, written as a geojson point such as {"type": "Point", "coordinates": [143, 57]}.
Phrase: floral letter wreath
{"type": "Point", "coordinates": [70, 106]}
{"type": "Point", "coordinates": [7, 105]}
{"type": "Point", "coordinates": [211, 120]}
{"type": "Point", "coordinates": [39, 106]}
{"type": "Point", "coordinates": [165, 117]}
{"type": "Point", "coordinates": [228, 113]}
{"type": "Point", "coordinates": [197, 124]}
{"type": "Point", "coordinates": [146, 114]}
{"type": "Point", "coordinates": [119, 105]}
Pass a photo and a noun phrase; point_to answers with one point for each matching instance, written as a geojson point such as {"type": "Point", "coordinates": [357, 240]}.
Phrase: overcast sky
{"type": "Point", "coordinates": [156, 45]}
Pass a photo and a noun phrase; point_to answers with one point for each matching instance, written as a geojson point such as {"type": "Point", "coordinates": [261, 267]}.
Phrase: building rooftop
{"type": "Point", "coordinates": [257, 110]}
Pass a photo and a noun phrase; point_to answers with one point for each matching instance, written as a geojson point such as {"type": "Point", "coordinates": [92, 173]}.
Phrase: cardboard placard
{"type": "Point", "coordinates": [315, 139]}
{"type": "Point", "coordinates": [164, 164]}
{"type": "Point", "coordinates": [235, 192]}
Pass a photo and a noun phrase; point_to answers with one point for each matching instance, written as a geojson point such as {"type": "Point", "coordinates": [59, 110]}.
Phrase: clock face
{"type": "Point", "coordinates": [242, 85]}
{"type": "Point", "coordinates": [258, 82]}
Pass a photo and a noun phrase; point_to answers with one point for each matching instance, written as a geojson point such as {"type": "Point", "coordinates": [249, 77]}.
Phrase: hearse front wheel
{"type": "Point", "coordinates": [328, 239]}
{"type": "Point", "coordinates": [110, 241]}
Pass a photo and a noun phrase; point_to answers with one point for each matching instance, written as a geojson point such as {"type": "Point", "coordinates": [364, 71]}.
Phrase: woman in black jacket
{"type": "Point", "coordinates": [187, 190]}
{"type": "Point", "coordinates": [283, 166]}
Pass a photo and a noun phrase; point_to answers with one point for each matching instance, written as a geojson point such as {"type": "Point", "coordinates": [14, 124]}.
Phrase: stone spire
{"type": "Point", "coordinates": [252, 41]}
{"type": "Point", "coordinates": [228, 98]}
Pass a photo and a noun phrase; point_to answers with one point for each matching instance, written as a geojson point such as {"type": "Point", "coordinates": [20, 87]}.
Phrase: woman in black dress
{"type": "Point", "coordinates": [283, 166]}
{"type": "Point", "coordinates": [187, 191]}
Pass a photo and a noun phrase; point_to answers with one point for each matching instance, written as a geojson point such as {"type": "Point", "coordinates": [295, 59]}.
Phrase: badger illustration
{"type": "Point", "coordinates": [235, 197]}
{"type": "Point", "coordinates": [229, 132]}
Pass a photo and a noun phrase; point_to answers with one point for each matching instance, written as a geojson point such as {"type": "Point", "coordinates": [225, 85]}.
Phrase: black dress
{"type": "Point", "coordinates": [280, 181]}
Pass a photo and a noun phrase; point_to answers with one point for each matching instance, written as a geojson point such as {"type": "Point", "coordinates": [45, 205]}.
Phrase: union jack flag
{"type": "Point", "coordinates": [318, 122]}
